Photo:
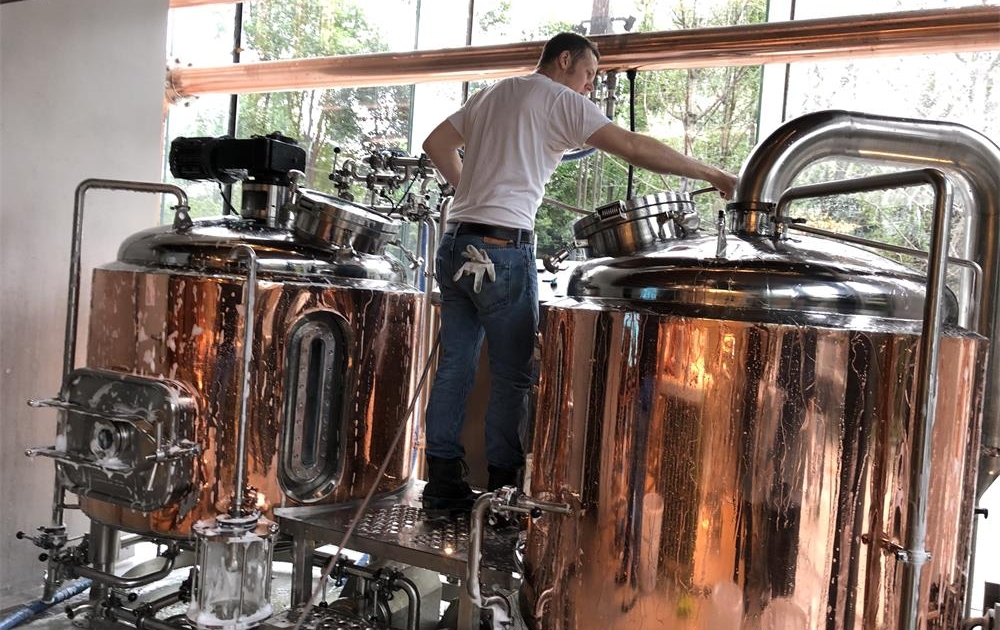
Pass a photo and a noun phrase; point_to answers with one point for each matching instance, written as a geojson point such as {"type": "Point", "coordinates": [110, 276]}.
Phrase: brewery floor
{"type": "Point", "coordinates": [988, 570]}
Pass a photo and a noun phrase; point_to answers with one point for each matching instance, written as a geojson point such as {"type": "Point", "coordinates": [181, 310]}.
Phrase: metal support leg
{"type": "Point", "coordinates": [103, 556]}
{"type": "Point", "coordinates": [468, 612]}
{"type": "Point", "coordinates": [302, 567]}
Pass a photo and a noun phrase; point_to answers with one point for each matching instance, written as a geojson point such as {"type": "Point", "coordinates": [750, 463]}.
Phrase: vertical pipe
{"type": "Point", "coordinates": [413, 611]}
{"type": "Point", "coordinates": [477, 526]}
{"type": "Point", "coordinates": [234, 99]}
{"type": "Point", "coordinates": [468, 42]}
{"type": "Point", "coordinates": [413, 86]}
{"type": "Point", "coordinates": [914, 553]}
{"type": "Point", "coordinates": [631, 125]}
{"type": "Point", "coordinates": [237, 49]}
{"type": "Point", "coordinates": [249, 297]}
{"type": "Point", "coordinates": [427, 327]}
{"type": "Point", "coordinates": [788, 75]}
{"type": "Point", "coordinates": [926, 395]}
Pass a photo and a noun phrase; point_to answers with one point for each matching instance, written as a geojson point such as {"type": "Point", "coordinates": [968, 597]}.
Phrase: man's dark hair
{"type": "Point", "coordinates": [577, 45]}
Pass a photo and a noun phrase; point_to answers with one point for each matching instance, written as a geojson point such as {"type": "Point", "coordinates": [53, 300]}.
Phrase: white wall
{"type": "Point", "coordinates": [81, 95]}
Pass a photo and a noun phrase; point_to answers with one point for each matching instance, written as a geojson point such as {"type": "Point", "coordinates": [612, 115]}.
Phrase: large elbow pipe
{"type": "Point", "coordinates": [969, 159]}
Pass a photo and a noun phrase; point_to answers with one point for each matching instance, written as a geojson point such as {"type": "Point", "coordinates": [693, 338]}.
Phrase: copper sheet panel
{"type": "Point", "coordinates": [741, 475]}
{"type": "Point", "coordinates": [188, 328]}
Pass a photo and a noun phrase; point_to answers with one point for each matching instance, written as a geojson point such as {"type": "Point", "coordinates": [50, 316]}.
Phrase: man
{"type": "Point", "coordinates": [514, 134]}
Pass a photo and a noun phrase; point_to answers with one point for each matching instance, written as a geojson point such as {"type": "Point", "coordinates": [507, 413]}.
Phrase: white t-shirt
{"type": "Point", "coordinates": [515, 133]}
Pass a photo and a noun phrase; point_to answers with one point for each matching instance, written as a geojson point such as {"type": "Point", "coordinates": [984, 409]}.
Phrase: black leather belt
{"type": "Point", "coordinates": [493, 231]}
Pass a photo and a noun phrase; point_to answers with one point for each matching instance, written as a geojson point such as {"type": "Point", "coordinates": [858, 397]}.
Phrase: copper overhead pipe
{"type": "Point", "coordinates": [911, 32]}
{"type": "Point", "coordinates": [179, 4]}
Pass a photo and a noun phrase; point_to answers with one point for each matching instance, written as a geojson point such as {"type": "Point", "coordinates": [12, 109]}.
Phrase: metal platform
{"type": "Point", "coordinates": [396, 528]}
{"type": "Point", "coordinates": [318, 618]}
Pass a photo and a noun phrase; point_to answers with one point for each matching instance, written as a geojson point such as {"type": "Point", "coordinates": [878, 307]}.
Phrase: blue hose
{"type": "Point", "coordinates": [32, 609]}
{"type": "Point", "coordinates": [578, 154]}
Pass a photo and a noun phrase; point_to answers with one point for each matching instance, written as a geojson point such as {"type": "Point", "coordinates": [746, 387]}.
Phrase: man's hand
{"type": "Point", "coordinates": [726, 183]}
{"type": "Point", "coordinates": [478, 265]}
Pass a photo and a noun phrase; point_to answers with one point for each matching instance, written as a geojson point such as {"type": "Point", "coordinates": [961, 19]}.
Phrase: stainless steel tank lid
{"type": "Point", "coordinates": [207, 246]}
{"type": "Point", "coordinates": [633, 209]}
{"type": "Point", "coordinates": [805, 279]}
{"type": "Point", "coordinates": [344, 212]}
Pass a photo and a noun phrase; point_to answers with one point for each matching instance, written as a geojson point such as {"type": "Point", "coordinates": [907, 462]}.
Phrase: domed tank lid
{"type": "Point", "coordinates": [801, 280]}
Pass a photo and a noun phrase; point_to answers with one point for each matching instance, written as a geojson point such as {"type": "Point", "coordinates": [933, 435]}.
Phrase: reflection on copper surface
{"type": "Point", "coordinates": [774, 458]}
{"type": "Point", "coordinates": [900, 33]}
{"type": "Point", "coordinates": [188, 328]}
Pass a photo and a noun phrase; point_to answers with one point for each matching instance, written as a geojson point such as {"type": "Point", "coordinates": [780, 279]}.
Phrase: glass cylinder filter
{"type": "Point", "coordinates": [233, 587]}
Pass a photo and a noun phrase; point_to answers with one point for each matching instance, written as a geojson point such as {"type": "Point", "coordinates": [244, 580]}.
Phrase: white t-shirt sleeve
{"type": "Point", "coordinates": [578, 119]}
{"type": "Point", "coordinates": [457, 121]}
{"type": "Point", "coordinates": [459, 118]}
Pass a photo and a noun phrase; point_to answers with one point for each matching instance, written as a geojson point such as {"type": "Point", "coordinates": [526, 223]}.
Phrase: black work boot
{"type": "Point", "coordinates": [446, 490]}
{"type": "Point", "coordinates": [500, 477]}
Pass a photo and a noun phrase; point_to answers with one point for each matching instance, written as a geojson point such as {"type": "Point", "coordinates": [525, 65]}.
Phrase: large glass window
{"type": "Point", "coordinates": [710, 113]}
{"type": "Point", "coordinates": [714, 114]}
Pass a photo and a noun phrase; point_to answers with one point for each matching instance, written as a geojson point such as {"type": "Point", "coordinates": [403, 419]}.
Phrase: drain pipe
{"type": "Point", "coordinates": [30, 610]}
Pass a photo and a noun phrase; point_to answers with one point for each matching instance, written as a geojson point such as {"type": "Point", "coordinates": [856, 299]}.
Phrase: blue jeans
{"type": "Point", "coordinates": [506, 312]}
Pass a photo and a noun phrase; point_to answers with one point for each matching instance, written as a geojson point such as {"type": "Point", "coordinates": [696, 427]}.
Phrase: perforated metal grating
{"type": "Point", "coordinates": [319, 618]}
{"type": "Point", "coordinates": [409, 526]}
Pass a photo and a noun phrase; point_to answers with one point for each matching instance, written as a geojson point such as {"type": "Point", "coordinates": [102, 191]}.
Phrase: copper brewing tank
{"type": "Point", "coordinates": [328, 386]}
{"type": "Point", "coordinates": [734, 437]}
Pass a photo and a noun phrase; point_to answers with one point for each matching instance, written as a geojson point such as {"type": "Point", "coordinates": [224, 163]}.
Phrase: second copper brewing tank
{"type": "Point", "coordinates": [740, 475]}
{"type": "Point", "coordinates": [733, 435]}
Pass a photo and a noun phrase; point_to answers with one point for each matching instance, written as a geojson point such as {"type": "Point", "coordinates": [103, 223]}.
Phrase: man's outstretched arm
{"type": "Point", "coordinates": [650, 154]}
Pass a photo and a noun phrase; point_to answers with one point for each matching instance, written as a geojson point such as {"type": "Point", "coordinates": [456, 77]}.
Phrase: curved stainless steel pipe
{"type": "Point", "coordinates": [477, 527]}
{"type": "Point", "coordinates": [400, 583]}
{"type": "Point", "coordinates": [413, 611]}
{"type": "Point", "coordinates": [72, 310]}
{"type": "Point", "coordinates": [975, 622]}
{"type": "Point", "coordinates": [115, 581]}
{"type": "Point", "coordinates": [899, 179]}
{"type": "Point", "coordinates": [971, 161]}
{"type": "Point", "coordinates": [84, 608]}
{"type": "Point", "coordinates": [915, 553]}
{"type": "Point", "coordinates": [72, 302]}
